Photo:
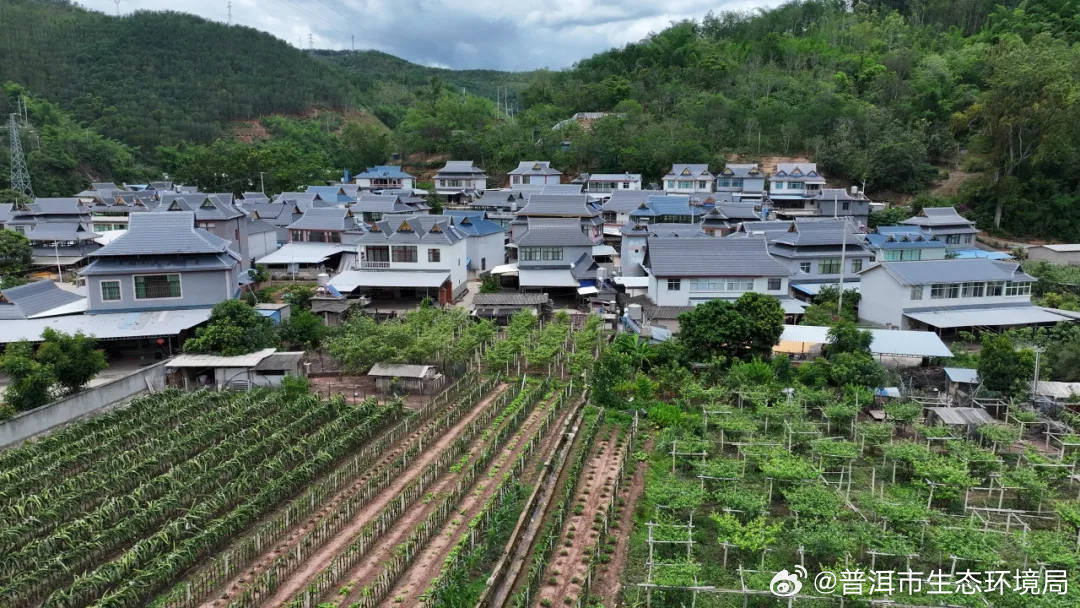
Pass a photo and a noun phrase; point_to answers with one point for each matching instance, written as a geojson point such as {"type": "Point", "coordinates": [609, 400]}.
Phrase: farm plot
{"type": "Point", "coordinates": [171, 478]}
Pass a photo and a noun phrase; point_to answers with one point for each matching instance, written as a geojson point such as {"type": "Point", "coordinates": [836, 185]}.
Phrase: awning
{"type": "Point", "coordinates": [962, 375]}
{"type": "Point", "coordinates": [986, 317]}
{"type": "Point", "coordinates": [547, 278]}
{"type": "Point", "coordinates": [792, 307]}
{"type": "Point", "coordinates": [587, 291]}
{"type": "Point", "coordinates": [304, 253]}
{"type": "Point", "coordinates": [603, 250]}
{"type": "Point", "coordinates": [962, 415]}
{"type": "Point", "coordinates": [612, 231]}
{"type": "Point", "coordinates": [71, 308]}
{"type": "Point", "coordinates": [510, 269]}
{"type": "Point", "coordinates": [350, 280]}
{"type": "Point", "coordinates": [902, 343]}
{"type": "Point", "coordinates": [107, 326]}
{"type": "Point", "coordinates": [51, 260]}
{"type": "Point", "coordinates": [633, 282]}
{"type": "Point", "coordinates": [204, 361]}
{"type": "Point", "coordinates": [813, 289]}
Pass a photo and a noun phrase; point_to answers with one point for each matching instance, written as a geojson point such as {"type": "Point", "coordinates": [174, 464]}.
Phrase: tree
{"type": "Point", "coordinates": [1002, 367]}
{"type": "Point", "coordinates": [890, 216]}
{"type": "Point", "coordinates": [745, 329]}
{"type": "Point", "coordinates": [303, 330]}
{"type": "Point", "coordinates": [299, 296]}
{"type": "Point", "coordinates": [16, 255]}
{"type": "Point", "coordinates": [74, 358]}
{"type": "Point", "coordinates": [234, 328]}
{"type": "Point", "coordinates": [490, 284]}
{"type": "Point", "coordinates": [846, 337]}
{"type": "Point", "coordinates": [30, 380]}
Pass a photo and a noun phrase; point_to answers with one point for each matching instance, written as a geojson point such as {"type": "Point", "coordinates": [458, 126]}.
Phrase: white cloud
{"type": "Point", "coordinates": [496, 34]}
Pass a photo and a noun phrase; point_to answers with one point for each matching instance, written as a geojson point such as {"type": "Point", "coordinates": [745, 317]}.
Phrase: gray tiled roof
{"type": "Point", "coordinates": [460, 167]}
{"type": "Point", "coordinates": [334, 219]}
{"type": "Point", "coordinates": [690, 171]}
{"type": "Point", "coordinates": [510, 299]}
{"type": "Point", "coordinates": [255, 197]}
{"type": "Point", "coordinates": [624, 201]}
{"type": "Point", "coordinates": [798, 171]}
{"type": "Point", "coordinates": [562, 189]}
{"type": "Point", "coordinates": [436, 229]}
{"type": "Point", "coordinates": [61, 231]}
{"type": "Point", "coordinates": [933, 217]}
{"type": "Point", "coordinates": [534, 167]}
{"type": "Point", "coordinates": [585, 267]}
{"type": "Point", "coordinates": [953, 271]}
{"type": "Point", "coordinates": [744, 170]}
{"type": "Point", "coordinates": [819, 232]}
{"type": "Point", "coordinates": [277, 214]}
{"type": "Point", "coordinates": [5, 212]}
{"type": "Point", "coordinates": [55, 206]}
{"type": "Point", "coordinates": [553, 232]}
{"type": "Point", "coordinates": [679, 257]}
{"type": "Point", "coordinates": [33, 298]}
{"type": "Point", "coordinates": [118, 265]}
{"type": "Point", "coordinates": [164, 234]}
{"type": "Point", "coordinates": [259, 226]}
{"type": "Point", "coordinates": [734, 211]}
{"type": "Point", "coordinates": [664, 229]}
{"type": "Point", "coordinates": [559, 205]}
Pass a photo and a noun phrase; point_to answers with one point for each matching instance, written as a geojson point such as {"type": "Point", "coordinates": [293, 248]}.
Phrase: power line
{"type": "Point", "coordinates": [339, 14]}
{"type": "Point", "coordinates": [314, 16]}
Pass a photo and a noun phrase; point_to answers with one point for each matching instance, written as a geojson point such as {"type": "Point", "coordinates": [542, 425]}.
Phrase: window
{"type": "Point", "coordinates": [671, 184]}
{"type": "Point", "coordinates": [610, 217]}
{"type": "Point", "coordinates": [701, 185]}
{"type": "Point", "coordinates": [551, 253]}
{"type": "Point", "coordinates": [740, 285]}
{"type": "Point", "coordinates": [856, 265]}
{"type": "Point", "coordinates": [1017, 289]}
{"type": "Point", "coordinates": [516, 179]}
{"type": "Point", "coordinates": [737, 183]}
{"type": "Point", "coordinates": [967, 238]}
{"type": "Point", "coordinates": [333, 237]}
{"type": "Point", "coordinates": [529, 254]}
{"type": "Point", "coordinates": [403, 253]}
{"type": "Point", "coordinates": [804, 267]}
{"type": "Point", "coordinates": [434, 255]}
{"type": "Point", "coordinates": [378, 254]}
{"type": "Point", "coordinates": [483, 263]}
{"type": "Point", "coordinates": [537, 254]}
{"type": "Point", "coordinates": [626, 185]}
{"type": "Point", "coordinates": [829, 266]}
{"type": "Point", "coordinates": [796, 185]}
{"type": "Point", "coordinates": [774, 284]}
{"type": "Point", "coordinates": [995, 288]}
{"type": "Point", "coordinates": [916, 292]}
{"type": "Point", "coordinates": [906, 255]}
{"type": "Point", "coordinates": [952, 239]}
{"type": "Point", "coordinates": [971, 290]}
{"type": "Point", "coordinates": [316, 236]}
{"type": "Point", "coordinates": [451, 183]}
{"type": "Point", "coordinates": [674, 284]}
{"type": "Point", "coordinates": [157, 286]}
{"type": "Point", "coordinates": [110, 291]}
{"type": "Point", "coordinates": [296, 236]}
{"type": "Point", "coordinates": [684, 185]}
{"type": "Point", "coordinates": [778, 186]}
{"type": "Point", "coordinates": [937, 291]}
{"type": "Point", "coordinates": [847, 205]}
{"type": "Point", "coordinates": [723, 183]}
{"type": "Point", "coordinates": [236, 234]}
{"type": "Point", "coordinates": [723, 284]}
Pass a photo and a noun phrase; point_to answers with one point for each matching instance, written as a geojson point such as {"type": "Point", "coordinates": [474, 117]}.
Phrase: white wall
{"type": "Point", "coordinates": [631, 255]}
{"type": "Point", "coordinates": [491, 248]}
{"type": "Point", "coordinates": [662, 296]}
{"type": "Point", "coordinates": [709, 184]}
{"type": "Point", "coordinates": [262, 244]}
{"type": "Point", "coordinates": [451, 258]}
{"type": "Point", "coordinates": [884, 300]}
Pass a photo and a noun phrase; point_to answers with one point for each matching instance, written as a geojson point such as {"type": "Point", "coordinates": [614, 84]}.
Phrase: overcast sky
{"type": "Point", "coordinates": [461, 34]}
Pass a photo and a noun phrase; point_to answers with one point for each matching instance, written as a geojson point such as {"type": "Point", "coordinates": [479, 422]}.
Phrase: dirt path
{"type": "Point", "coordinates": [315, 564]}
{"type": "Point", "coordinates": [427, 566]}
{"type": "Point", "coordinates": [607, 583]}
{"type": "Point", "coordinates": [578, 537]}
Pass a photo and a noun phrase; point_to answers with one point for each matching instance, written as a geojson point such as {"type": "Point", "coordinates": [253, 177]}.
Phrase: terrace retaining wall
{"type": "Point", "coordinates": [30, 423]}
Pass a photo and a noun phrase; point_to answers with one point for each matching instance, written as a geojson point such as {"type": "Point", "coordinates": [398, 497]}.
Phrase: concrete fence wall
{"type": "Point", "coordinates": [80, 404]}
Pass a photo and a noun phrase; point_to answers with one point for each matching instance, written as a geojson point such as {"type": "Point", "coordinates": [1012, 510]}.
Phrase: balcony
{"type": "Point", "coordinates": [368, 265]}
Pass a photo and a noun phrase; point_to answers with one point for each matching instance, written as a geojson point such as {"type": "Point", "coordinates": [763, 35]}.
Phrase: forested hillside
{"type": "Point", "coordinates": [890, 93]}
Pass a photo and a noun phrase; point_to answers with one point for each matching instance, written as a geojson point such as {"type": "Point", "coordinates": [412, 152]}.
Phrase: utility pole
{"type": "Point", "coordinates": [353, 38]}
{"type": "Point", "coordinates": [117, 2]}
{"type": "Point", "coordinates": [230, 13]}
{"type": "Point", "coordinates": [262, 183]}
{"type": "Point", "coordinates": [20, 174]}
{"type": "Point", "coordinates": [311, 41]}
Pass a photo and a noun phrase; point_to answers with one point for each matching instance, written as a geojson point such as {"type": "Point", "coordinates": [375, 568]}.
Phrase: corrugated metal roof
{"type": "Point", "coordinates": [334, 218]}
{"type": "Point", "coordinates": [534, 167]}
{"type": "Point", "coordinates": [558, 205]}
{"type": "Point", "coordinates": [962, 375]}
{"type": "Point", "coordinates": [304, 253]}
{"type": "Point", "coordinates": [551, 234]}
{"type": "Point", "coordinates": [201, 360]}
{"type": "Point", "coordinates": [286, 361]}
{"type": "Point", "coordinates": [680, 257]}
{"type": "Point", "coordinates": [510, 299]}
{"type": "Point", "coordinates": [106, 326]}
{"type": "Point", "coordinates": [351, 279]}
{"type": "Point", "coordinates": [1057, 390]}
{"type": "Point", "coordinates": [102, 266]}
{"type": "Point", "coordinates": [164, 234]}
{"type": "Point", "coordinates": [35, 298]}
{"type": "Point", "coordinates": [962, 415]}
{"type": "Point", "coordinates": [926, 272]}
{"type": "Point", "coordinates": [904, 343]}
{"type": "Point", "coordinates": [547, 277]}
{"type": "Point", "coordinates": [813, 289]}
{"type": "Point", "coordinates": [986, 317]}
{"type": "Point", "coordinates": [398, 370]}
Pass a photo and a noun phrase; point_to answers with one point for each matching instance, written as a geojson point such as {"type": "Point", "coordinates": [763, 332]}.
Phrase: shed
{"type": "Point", "coordinates": [1058, 254]}
{"type": "Point", "coordinates": [499, 306]}
{"type": "Point", "coordinates": [278, 312]}
{"type": "Point", "coordinates": [332, 309]}
{"type": "Point", "coordinates": [422, 379]}
{"type": "Point", "coordinates": [962, 382]}
{"type": "Point", "coordinates": [263, 368]}
{"type": "Point", "coordinates": [968, 417]}
{"type": "Point", "coordinates": [1061, 392]}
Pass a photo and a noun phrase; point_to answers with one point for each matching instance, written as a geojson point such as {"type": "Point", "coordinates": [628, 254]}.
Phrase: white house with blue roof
{"type": "Point", "coordinates": [485, 239]}
{"type": "Point", "coordinates": [904, 244]}
{"type": "Point", "coordinates": [667, 209]}
{"type": "Point", "coordinates": [384, 177]}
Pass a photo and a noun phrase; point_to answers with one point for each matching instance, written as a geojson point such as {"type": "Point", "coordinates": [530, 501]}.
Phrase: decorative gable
{"type": "Point", "coordinates": [375, 228]}
{"type": "Point", "coordinates": [728, 171]}
{"type": "Point", "coordinates": [686, 171]}
{"type": "Point", "coordinates": [175, 206]}
{"type": "Point", "coordinates": [207, 204]}
{"type": "Point", "coordinates": [436, 229]}
{"type": "Point", "coordinates": [796, 171]}
{"type": "Point", "coordinates": [536, 167]}
{"type": "Point", "coordinates": [465, 221]}
{"type": "Point", "coordinates": [405, 227]}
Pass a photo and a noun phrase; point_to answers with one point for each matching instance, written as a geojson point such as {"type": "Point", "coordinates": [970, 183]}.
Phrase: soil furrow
{"type": "Point", "coordinates": [607, 582]}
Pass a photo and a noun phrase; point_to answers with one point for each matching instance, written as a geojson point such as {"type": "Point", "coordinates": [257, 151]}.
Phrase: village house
{"type": "Point", "coordinates": [1058, 254]}
{"type": "Point", "coordinates": [500, 205]}
{"type": "Point", "coordinates": [945, 223]}
{"type": "Point", "coordinates": [569, 206]}
{"type": "Point", "coordinates": [59, 232]}
{"type": "Point", "coordinates": [382, 177]}
{"type": "Point", "coordinates": [795, 189]}
{"type": "Point", "coordinates": [423, 256]}
{"type": "Point", "coordinates": [616, 209]}
{"type": "Point", "coordinates": [279, 215]}
{"type": "Point", "coordinates": [689, 271]}
{"type": "Point", "coordinates": [745, 181]}
{"type": "Point", "coordinates": [725, 218]}
{"type": "Point", "coordinates": [609, 183]}
{"type": "Point", "coordinates": [947, 295]}
{"type": "Point", "coordinates": [460, 181]}
{"type": "Point", "coordinates": [819, 251]}
{"type": "Point", "coordinates": [340, 194]}
{"type": "Point", "coordinates": [837, 202]}
{"type": "Point", "coordinates": [322, 240]}
{"type": "Point", "coordinates": [371, 208]}
{"type": "Point", "coordinates": [635, 239]}
{"type": "Point", "coordinates": [554, 253]}
{"type": "Point", "coordinates": [904, 244]}
{"type": "Point", "coordinates": [534, 172]}
{"type": "Point", "coordinates": [689, 179]}
{"type": "Point", "coordinates": [485, 239]}
{"type": "Point", "coordinates": [214, 213]}
{"type": "Point", "coordinates": [667, 209]}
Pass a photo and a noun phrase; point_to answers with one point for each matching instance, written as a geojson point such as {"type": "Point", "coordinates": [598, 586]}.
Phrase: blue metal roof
{"type": "Point", "coordinates": [904, 240]}
{"type": "Point", "coordinates": [473, 223]}
{"type": "Point", "coordinates": [383, 171]}
{"type": "Point", "coordinates": [657, 206]}
{"type": "Point", "coordinates": [972, 254]}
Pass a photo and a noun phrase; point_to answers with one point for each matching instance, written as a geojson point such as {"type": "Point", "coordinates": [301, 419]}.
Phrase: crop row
{"type": "Point", "coordinates": [98, 437]}
{"type": "Point", "coordinates": [263, 586]}
{"type": "Point", "coordinates": [549, 538]}
{"type": "Point", "coordinates": [202, 584]}
{"type": "Point", "coordinates": [92, 536]}
{"type": "Point", "coordinates": [418, 538]}
{"type": "Point", "coordinates": [453, 573]}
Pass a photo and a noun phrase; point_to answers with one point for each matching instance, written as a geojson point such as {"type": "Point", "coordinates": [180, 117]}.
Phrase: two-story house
{"type": "Point", "coordinates": [423, 256]}
{"type": "Point", "coordinates": [837, 202]}
{"type": "Point", "coordinates": [904, 244]}
{"type": "Point", "coordinates": [500, 205]}
{"type": "Point", "coordinates": [485, 239]}
{"type": "Point", "coordinates": [460, 181]}
{"type": "Point", "coordinates": [371, 208]}
{"type": "Point", "coordinates": [384, 177]}
{"type": "Point", "coordinates": [795, 189]}
{"type": "Point", "coordinates": [946, 224]}
{"type": "Point", "coordinates": [340, 194]}
{"type": "Point", "coordinates": [567, 206]}
{"type": "Point", "coordinates": [58, 229]}
{"type": "Point", "coordinates": [635, 241]}
{"type": "Point", "coordinates": [689, 271]}
{"type": "Point", "coordinates": [667, 209]}
{"type": "Point", "coordinates": [724, 218]}
{"type": "Point", "coordinates": [946, 295]}
{"type": "Point", "coordinates": [279, 215]}
{"type": "Point", "coordinates": [554, 253]}
{"type": "Point", "coordinates": [216, 214]}
{"type": "Point", "coordinates": [162, 262]}
{"type": "Point", "coordinates": [689, 179]}
{"type": "Point", "coordinates": [534, 172]}
{"type": "Point", "coordinates": [321, 240]}
{"type": "Point", "coordinates": [608, 183]}
{"type": "Point", "coordinates": [819, 250]}
{"type": "Point", "coordinates": [745, 181]}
